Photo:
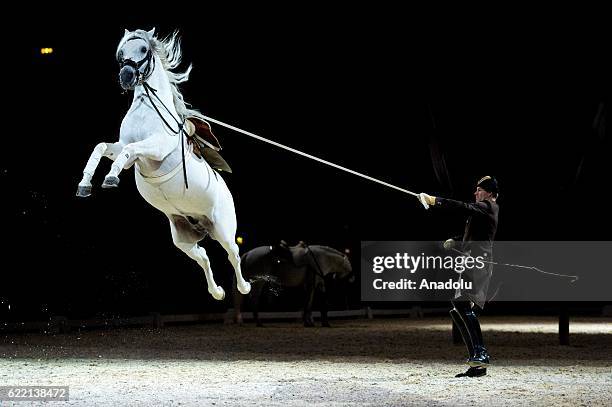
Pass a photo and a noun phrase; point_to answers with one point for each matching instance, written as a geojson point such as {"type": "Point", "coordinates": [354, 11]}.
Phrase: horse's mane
{"type": "Point", "coordinates": [168, 50]}
{"type": "Point", "coordinates": [330, 250]}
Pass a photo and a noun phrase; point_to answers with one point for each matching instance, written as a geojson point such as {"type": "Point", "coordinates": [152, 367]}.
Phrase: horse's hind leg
{"type": "Point", "coordinates": [231, 248]}
{"type": "Point", "coordinates": [258, 292]}
{"type": "Point", "coordinates": [186, 239]}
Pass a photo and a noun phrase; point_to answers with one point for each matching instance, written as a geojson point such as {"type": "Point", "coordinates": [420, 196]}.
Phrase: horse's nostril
{"type": "Point", "coordinates": [126, 75]}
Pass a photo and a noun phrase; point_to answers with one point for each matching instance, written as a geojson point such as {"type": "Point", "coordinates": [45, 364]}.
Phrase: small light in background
{"type": "Point", "coordinates": [239, 240]}
{"type": "Point", "coordinates": [46, 51]}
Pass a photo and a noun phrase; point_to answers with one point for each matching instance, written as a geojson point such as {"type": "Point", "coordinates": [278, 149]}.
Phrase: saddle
{"type": "Point", "coordinates": [205, 144]}
{"type": "Point", "coordinates": [294, 254]}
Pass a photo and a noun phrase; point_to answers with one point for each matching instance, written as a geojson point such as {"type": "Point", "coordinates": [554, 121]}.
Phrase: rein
{"type": "Point", "coordinates": [318, 271]}
{"type": "Point", "coordinates": [181, 128]}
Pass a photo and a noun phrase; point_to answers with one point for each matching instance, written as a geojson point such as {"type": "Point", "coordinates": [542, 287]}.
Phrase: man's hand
{"type": "Point", "coordinates": [449, 244]}
{"type": "Point", "coordinates": [426, 200]}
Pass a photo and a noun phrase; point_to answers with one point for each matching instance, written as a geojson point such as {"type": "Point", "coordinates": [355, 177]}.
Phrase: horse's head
{"type": "Point", "coordinates": [135, 57]}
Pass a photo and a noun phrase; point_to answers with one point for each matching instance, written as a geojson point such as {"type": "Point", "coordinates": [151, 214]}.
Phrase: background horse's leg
{"type": "Point", "coordinates": [238, 300]}
{"type": "Point", "coordinates": [309, 294]}
{"type": "Point", "coordinates": [226, 240]}
{"type": "Point", "coordinates": [321, 293]}
{"type": "Point", "coordinates": [109, 150]}
{"type": "Point", "coordinates": [186, 239]}
{"type": "Point", "coordinates": [256, 297]}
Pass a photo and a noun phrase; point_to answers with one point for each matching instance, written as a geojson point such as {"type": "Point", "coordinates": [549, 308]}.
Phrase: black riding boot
{"type": "Point", "coordinates": [480, 358]}
{"type": "Point", "coordinates": [465, 335]}
{"type": "Point", "coordinates": [473, 372]}
{"type": "Point", "coordinates": [469, 327]}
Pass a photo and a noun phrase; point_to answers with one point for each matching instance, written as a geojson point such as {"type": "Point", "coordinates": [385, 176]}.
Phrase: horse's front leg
{"type": "Point", "coordinates": [156, 148]}
{"type": "Point", "coordinates": [322, 291]}
{"type": "Point", "coordinates": [110, 150]}
{"type": "Point", "coordinates": [309, 291]}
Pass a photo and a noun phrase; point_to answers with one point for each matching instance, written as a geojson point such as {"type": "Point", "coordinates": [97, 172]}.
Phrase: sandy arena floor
{"type": "Point", "coordinates": [365, 362]}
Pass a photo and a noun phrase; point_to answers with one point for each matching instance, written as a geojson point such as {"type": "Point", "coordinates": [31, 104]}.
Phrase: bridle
{"type": "Point", "coordinates": [148, 60]}
{"type": "Point", "coordinates": [141, 79]}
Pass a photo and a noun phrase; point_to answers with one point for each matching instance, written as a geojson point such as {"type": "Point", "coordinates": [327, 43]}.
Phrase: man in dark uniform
{"type": "Point", "coordinates": [477, 241]}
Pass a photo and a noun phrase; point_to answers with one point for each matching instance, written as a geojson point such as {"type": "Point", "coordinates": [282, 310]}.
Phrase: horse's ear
{"type": "Point", "coordinates": [151, 32]}
{"type": "Point", "coordinates": [126, 32]}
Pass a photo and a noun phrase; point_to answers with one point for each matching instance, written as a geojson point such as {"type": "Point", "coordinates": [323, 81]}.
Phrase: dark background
{"type": "Point", "coordinates": [424, 103]}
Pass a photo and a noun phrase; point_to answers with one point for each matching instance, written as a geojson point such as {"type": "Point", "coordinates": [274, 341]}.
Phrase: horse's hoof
{"type": "Point", "coordinates": [218, 293]}
{"type": "Point", "coordinates": [83, 191]}
{"type": "Point", "coordinates": [244, 288]}
{"type": "Point", "coordinates": [110, 181]}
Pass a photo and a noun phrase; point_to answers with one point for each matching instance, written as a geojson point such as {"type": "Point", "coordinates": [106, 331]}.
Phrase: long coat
{"type": "Point", "coordinates": [477, 240]}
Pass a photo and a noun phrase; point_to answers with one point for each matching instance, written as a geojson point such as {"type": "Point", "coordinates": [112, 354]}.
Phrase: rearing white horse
{"type": "Point", "coordinates": [169, 175]}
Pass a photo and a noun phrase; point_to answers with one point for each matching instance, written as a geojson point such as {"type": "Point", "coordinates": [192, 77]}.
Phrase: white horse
{"type": "Point", "coordinates": [169, 175]}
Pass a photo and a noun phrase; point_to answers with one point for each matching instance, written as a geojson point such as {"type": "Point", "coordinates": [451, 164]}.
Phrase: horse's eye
{"type": "Point", "coordinates": [143, 49]}
{"type": "Point", "coordinates": [120, 55]}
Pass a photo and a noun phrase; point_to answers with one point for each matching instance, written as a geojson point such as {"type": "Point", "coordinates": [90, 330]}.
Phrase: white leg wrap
{"type": "Point", "coordinates": [94, 160]}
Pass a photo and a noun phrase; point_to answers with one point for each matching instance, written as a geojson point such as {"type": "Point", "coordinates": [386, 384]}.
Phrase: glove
{"type": "Point", "coordinates": [427, 200]}
{"type": "Point", "coordinates": [449, 244]}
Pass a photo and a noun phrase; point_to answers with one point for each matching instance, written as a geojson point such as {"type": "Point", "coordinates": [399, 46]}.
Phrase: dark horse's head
{"type": "Point", "coordinates": [336, 264]}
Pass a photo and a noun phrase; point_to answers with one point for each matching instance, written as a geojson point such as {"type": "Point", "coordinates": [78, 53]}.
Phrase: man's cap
{"type": "Point", "coordinates": [489, 184]}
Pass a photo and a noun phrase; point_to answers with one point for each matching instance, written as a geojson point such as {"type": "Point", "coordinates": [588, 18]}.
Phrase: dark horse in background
{"type": "Point", "coordinates": [301, 266]}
